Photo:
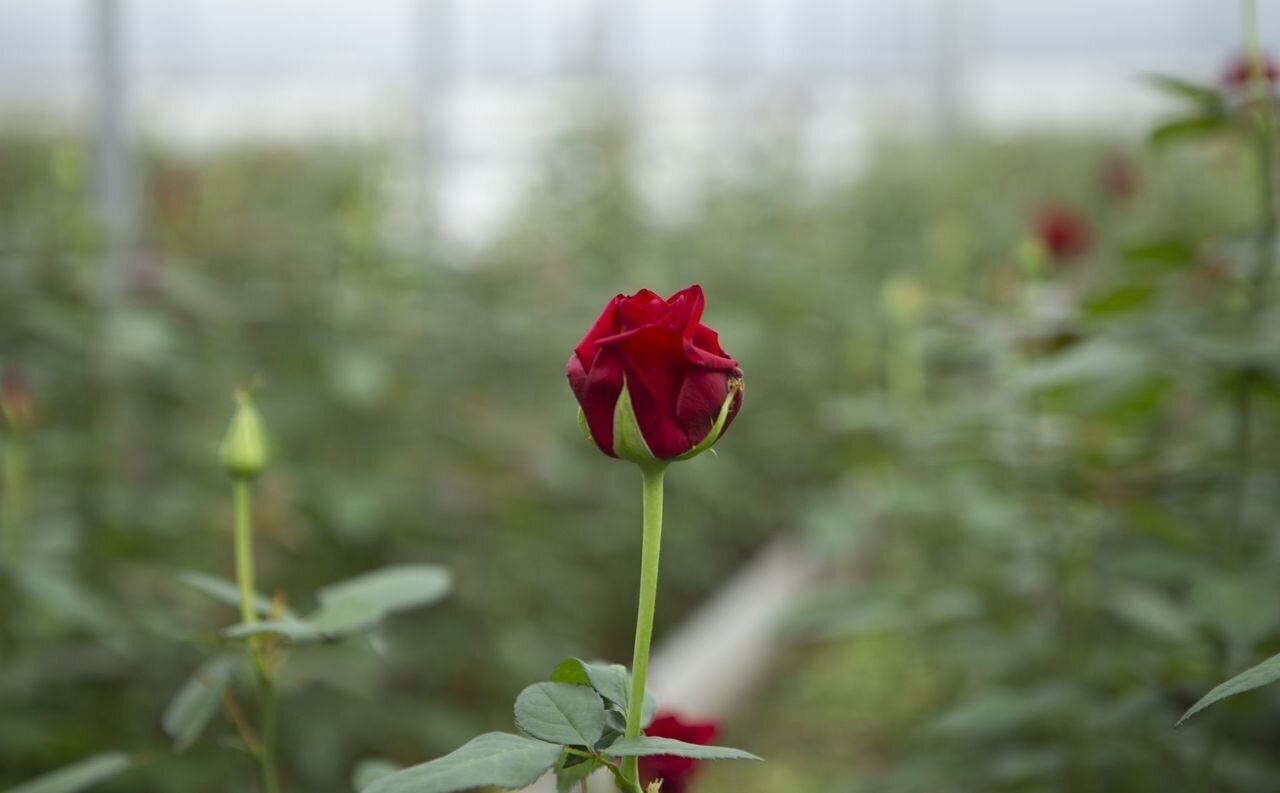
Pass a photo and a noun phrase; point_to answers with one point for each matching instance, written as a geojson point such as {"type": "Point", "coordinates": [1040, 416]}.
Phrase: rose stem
{"type": "Point", "coordinates": [650, 549]}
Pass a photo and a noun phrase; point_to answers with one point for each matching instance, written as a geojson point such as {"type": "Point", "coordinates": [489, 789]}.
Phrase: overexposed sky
{"type": "Point", "coordinates": [46, 40]}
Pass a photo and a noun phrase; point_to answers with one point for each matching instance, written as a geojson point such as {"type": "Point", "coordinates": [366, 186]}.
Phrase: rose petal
{"type": "Point", "coordinates": [655, 369]}
{"type": "Point", "coordinates": [598, 395]}
{"type": "Point", "coordinates": [698, 406]}
{"type": "Point", "coordinates": [605, 325]}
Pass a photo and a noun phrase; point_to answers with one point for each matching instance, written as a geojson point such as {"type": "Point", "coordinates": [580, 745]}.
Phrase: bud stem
{"type": "Point", "coordinates": [650, 550]}
{"type": "Point", "coordinates": [244, 551]}
{"type": "Point", "coordinates": [265, 751]}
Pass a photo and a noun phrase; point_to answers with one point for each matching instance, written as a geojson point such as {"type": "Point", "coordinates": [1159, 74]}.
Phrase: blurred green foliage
{"type": "Point", "coordinates": [1056, 535]}
{"type": "Point", "coordinates": [1021, 472]}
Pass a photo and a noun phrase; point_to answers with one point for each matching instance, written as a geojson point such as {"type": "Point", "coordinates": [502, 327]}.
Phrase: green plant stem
{"type": "Point", "coordinates": [1264, 260]}
{"type": "Point", "coordinates": [265, 752]}
{"type": "Point", "coordinates": [650, 550]}
{"type": "Point", "coordinates": [244, 551]}
{"type": "Point", "coordinates": [13, 515]}
{"type": "Point", "coordinates": [267, 732]}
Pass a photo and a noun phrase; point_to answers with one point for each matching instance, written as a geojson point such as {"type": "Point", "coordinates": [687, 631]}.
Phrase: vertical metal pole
{"type": "Point", "coordinates": [113, 195]}
{"type": "Point", "coordinates": [614, 51]}
{"type": "Point", "coordinates": [947, 81]}
{"type": "Point", "coordinates": [435, 72]}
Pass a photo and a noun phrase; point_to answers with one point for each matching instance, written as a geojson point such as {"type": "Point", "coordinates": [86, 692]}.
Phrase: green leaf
{"type": "Point", "coordinates": [63, 596]}
{"type": "Point", "coordinates": [225, 591]}
{"type": "Point", "coordinates": [495, 758]}
{"type": "Point", "coordinates": [77, 776]}
{"type": "Point", "coordinates": [371, 770]}
{"type": "Point", "coordinates": [1186, 127]}
{"type": "Point", "coordinates": [561, 713]}
{"type": "Point", "coordinates": [611, 681]}
{"type": "Point", "coordinates": [197, 701]}
{"type": "Point", "coordinates": [1162, 252]}
{"type": "Point", "coordinates": [571, 670]}
{"type": "Point", "coordinates": [362, 602]}
{"type": "Point", "coordinates": [1266, 672]}
{"type": "Point", "coordinates": [1093, 363]}
{"type": "Point", "coordinates": [569, 775]}
{"type": "Point", "coordinates": [998, 712]}
{"type": "Point", "coordinates": [295, 630]}
{"type": "Point", "coordinates": [1120, 299]}
{"type": "Point", "coordinates": [1204, 95]}
{"type": "Point", "coordinates": [359, 604]}
{"type": "Point", "coordinates": [1153, 611]}
{"type": "Point", "coordinates": [645, 746]}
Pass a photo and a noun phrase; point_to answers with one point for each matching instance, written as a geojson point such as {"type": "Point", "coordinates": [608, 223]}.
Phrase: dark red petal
{"type": "Point", "coordinates": [655, 369]}
{"type": "Point", "coordinates": [700, 733]}
{"type": "Point", "coordinates": [577, 375]}
{"type": "Point", "coordinates": [640, 310]}
{"type": "Point", "coordinates": [686, 310]}
{"type": "Point", "coordinates": [707, 359]}
{"type": "Point", "coordinates": [705, 338]}
{"type": "Point", "coordinates": [698, 405]}
{"type": "Point", "coordinates": [605, 325]}
{"type": "Point", "coordinates": [674, 772]}
{"type": "Point", "coordinates": [597, 391]}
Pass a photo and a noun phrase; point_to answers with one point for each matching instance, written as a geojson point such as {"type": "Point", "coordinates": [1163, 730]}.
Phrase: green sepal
{"type": "Point", "coordinates": [735, 385]}
{"type": "Point", "coordinates": [582, 425]}
{"type": "Point", "coordinates": [628, 441]}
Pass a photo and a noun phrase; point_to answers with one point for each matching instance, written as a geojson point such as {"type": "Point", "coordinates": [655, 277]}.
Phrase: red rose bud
{"type": "Point", "coordinates": [653, 382]}
{"type": "Point", "coordinates": [674, 772]}
{"type": "Point", "coordinates": [1241, 70]}
{"type": "Point", "coordinates": [1064, 233]}
{"type": "Point", "coordinates": [16, 404]}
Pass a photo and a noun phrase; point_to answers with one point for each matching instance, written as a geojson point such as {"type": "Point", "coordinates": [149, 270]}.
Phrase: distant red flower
{"type": "Point", "coordinates": [1239, 72]}
{"type": "Point", "coordinates": [1118, 178]}
{"type": "Point", "coordinates": [1064, 232]}
{"type": "Point", "coordinates": [674, 771]}
{"type": "Point", "coordinates": [16, 404]}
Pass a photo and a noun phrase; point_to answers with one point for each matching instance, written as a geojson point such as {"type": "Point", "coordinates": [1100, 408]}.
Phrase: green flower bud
{"type": "Point", "coordinates": [244, 449]}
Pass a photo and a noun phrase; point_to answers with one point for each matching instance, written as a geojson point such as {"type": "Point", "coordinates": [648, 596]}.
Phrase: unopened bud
{"type": "Point", "coordinates": [244, 449]}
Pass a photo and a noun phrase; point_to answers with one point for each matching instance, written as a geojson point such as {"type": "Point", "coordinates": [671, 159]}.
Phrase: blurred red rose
{"type": "Point", "coordinates": [676, 375]}
{"type": "Point", "coordinates": [1118, 177]}
{"type": "Point", "coordinates": [1065, 233]}
{"type": "Point", "coordinates": [16, 404]}
{"type": "Point", "coordinates": [1239, 72]}
{"type": "Point", "coordinates": [674, 772]}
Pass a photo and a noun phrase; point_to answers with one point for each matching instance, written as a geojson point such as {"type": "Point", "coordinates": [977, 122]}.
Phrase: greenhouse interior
{"type": "Point", "coordinates": [679, 396]}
